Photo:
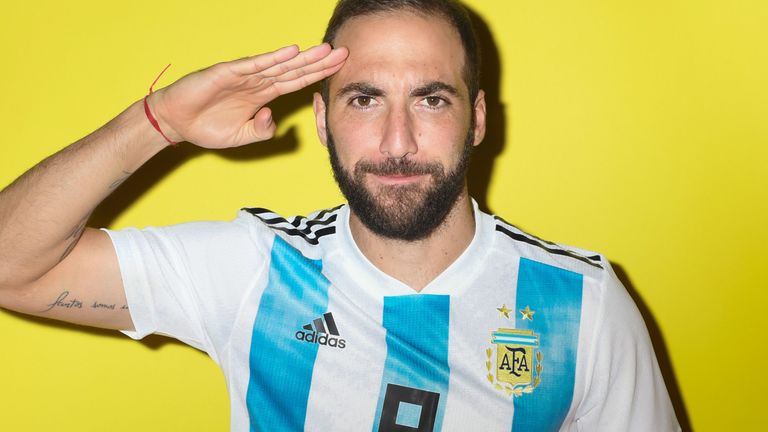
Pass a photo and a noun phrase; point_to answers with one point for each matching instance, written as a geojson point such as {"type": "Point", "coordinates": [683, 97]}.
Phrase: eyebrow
{"type": "Point", "coordinates": [434, 87]}
{"type": "Point", "coordinates": [367, 89]}
{"type": "Point", "coordinates": [360, 87]}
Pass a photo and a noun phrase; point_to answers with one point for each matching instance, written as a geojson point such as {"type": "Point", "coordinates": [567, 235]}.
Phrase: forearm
{"type": "Point", "coordinates": [43, 213]}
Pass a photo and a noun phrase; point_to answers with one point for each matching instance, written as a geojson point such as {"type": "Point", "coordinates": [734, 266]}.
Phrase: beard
{"type": "Point", "coordinates": [402, 212]}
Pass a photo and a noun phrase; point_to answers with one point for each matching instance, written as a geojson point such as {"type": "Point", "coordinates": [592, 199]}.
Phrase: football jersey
{"type": "Point", "coordinates": [517, 334]}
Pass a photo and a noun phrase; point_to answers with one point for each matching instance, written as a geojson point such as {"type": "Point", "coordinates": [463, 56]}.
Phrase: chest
{"type": "Point", "coordinates": [324, 354]}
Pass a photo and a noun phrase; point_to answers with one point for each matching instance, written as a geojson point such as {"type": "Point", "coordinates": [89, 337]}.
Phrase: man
{"type": "Point", "coordinates": [408, 309]}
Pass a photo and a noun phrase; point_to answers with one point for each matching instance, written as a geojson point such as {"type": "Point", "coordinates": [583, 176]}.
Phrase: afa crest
{"type": "Point", "coordinates": [516, 367]}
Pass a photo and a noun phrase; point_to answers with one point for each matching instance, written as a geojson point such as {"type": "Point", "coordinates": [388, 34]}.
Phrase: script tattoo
{"type": "Point", "coordinates": [63, 301]}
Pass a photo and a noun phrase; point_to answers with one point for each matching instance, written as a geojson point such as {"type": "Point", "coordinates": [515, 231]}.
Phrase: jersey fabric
{"type": "Point", "coordinates": [518, 334]}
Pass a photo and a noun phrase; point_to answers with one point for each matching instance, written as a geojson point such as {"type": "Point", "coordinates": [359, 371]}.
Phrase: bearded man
{"type": "Point", "coordinates": [408, 309]}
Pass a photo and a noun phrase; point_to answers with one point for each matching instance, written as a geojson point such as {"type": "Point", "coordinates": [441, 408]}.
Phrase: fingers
{"type": "Point", "coordinates": [255, 64]}
{"type": "Point", "coordinates": [303, 70]}
{"type": "Point", "coordinates": [314, 59]}
{"type": "Point", "coordinates": [304, 59]}
{"type": "Point", "coordinates": [332, 60]}
{"type": "Point", "coordinates": [302, 81]}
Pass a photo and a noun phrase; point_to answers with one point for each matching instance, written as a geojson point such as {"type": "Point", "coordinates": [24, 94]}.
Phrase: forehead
{"type": "Point", "coordinates": [400, 49]}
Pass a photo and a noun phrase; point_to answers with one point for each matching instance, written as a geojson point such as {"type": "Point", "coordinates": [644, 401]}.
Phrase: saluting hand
{"type": "Point", "coordinates": [224, 105]}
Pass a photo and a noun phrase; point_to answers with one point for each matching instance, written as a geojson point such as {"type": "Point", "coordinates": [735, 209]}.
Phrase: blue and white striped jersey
{"type": "Point", "coordinates": [518, 334]}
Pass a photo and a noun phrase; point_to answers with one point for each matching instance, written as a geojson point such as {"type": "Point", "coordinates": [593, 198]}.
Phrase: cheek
{"type": "Point", "coordinates": [350, 143]}
{"type": "Point", "coordinates": [355, 132]}
{"type": "Point", "coordinates": [441, 133]}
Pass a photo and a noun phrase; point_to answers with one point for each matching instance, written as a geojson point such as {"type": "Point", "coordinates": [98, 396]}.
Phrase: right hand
{"type": "Point", "coordinates": [224, 105]}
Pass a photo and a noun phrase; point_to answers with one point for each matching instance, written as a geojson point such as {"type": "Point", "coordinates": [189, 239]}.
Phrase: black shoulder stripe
{"type": "Point", "coordinates": [321, 214]}
{"type": "Point", "coordinates": [279, 223]}
{"type": "Point", "coordinates": [256, 210]}
{"type": "Point", "coordinates": [275, 222]}
{"type": "Point", "coordinates": [324, 232]}
{"type": "Point", "coordinates": [501, 219]}
{"type": "Point", "coordinates": [530, 241]}
{"type": "Point", "coordinates": [317, 219]}
{"type": "Point", "coordinates": [314, 222]}
{"type": "Point", "coordinates": [296, 220]}
{"type": "Point", "coordinates": [312, 238]}
{"type": "Point", "coordinates": [595, 258]}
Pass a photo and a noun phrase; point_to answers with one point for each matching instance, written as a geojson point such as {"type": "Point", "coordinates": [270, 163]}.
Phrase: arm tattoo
{"type": "Point", "coordinates": [74, 236]}
{"type": "Point", "coordinates": [64, 302]}
{"type": "Point", "coordinates": [120, 180]}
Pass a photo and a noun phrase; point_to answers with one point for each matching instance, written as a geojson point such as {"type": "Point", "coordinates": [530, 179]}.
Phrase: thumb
{"type": "Point", "coordinates": [261, 127]}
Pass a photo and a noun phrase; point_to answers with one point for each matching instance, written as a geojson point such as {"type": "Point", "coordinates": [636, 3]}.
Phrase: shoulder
{"type": "Point", "coordinates": [611, 314]}
{"type": "Point", "coordinates": [513, 240]}
{"type": "Point", "coordinates": [302, 232]}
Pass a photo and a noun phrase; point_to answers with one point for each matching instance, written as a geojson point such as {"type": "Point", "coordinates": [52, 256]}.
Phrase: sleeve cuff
{"type": "Point", "coordinates": [135, 283]}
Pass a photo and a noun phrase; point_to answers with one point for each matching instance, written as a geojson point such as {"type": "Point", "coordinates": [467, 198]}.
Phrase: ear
{"type": "Point", "coordinates": [479, 113]}
{"type": "Point", "coordinates": [318, 106]}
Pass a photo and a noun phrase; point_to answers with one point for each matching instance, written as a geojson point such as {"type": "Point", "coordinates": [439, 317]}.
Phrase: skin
{"type": "Point", "coordinates": [401, 94]}
{"type": "Point", "coordinates": [49, 262]}
{"type": "Point", "coordinates": [51, 265]}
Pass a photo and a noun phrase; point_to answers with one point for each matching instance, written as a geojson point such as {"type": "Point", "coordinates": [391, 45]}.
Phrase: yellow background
{"type": "Point", "coordinates": [637, 129]}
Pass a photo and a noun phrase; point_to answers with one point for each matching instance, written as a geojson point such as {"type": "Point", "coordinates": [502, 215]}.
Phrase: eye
{"type": "Point", "coordinates": [434, 102]}
{"type": "Point", "coordinates": [362, 101]}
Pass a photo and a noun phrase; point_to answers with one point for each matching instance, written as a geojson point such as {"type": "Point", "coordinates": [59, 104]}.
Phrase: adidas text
{"type": "Point", "coordinates": [321, 339]}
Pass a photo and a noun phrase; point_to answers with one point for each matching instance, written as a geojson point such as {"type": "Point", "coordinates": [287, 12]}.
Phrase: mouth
{"type": "Point", "coordinates": [398, 179]}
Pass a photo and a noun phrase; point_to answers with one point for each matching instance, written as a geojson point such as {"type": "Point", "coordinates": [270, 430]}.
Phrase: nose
{"type": "Point", "coordinates": [398, 138]}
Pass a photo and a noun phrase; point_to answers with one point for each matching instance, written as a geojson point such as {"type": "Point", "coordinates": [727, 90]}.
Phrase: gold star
{"type": "Point", "coordinates": [504, 310]}
{"type": "Point", "coordinates": [527, 313]}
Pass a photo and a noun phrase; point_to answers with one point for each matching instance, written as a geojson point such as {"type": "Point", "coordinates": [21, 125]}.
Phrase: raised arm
{"type": "Point", "coordinates": [51, 265]}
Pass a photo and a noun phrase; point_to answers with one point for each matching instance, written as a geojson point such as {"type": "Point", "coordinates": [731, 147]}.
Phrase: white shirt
{"type": "Point", "coordinates": [517, 334]}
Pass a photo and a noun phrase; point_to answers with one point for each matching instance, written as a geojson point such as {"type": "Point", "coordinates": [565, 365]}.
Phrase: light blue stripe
{"type": "Point", "coordinates": [555, 295]}
{"type": "Point", "coordinates": [514, 336]}
{"type": "Point", "coordinates": [513, 341]}
{"type": "Point", "coordinates": [417, 347]}
{"type": "Point", "coordinates": [520, 341]}
{"type": "Point", "coordinates": [280, 365]}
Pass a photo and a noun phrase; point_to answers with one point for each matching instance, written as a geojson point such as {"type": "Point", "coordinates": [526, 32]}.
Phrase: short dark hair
{"type": "Point", "coordinates": [451, 10]}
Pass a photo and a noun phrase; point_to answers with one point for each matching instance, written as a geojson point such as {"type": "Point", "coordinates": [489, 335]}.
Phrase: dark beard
{"type": "Point", "coordinates": [402, 212]}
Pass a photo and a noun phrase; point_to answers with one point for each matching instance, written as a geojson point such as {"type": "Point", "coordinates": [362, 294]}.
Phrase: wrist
{"type": "Point", "coordinates": [140, 141]}
{"type": "Point", "coordinates": [153, 112]}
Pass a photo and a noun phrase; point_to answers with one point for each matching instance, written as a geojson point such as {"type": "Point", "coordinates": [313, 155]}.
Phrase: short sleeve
{"type": "Point", "coordinates": [625, 390]}
{"type": "Point", "coordinates": [188, 281]}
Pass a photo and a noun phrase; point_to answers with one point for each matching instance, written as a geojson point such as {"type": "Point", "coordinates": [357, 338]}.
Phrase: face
{"type": "Point", "coordinates": [399, 124]}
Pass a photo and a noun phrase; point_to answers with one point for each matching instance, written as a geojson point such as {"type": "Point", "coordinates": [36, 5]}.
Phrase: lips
{"type": "Point", "coordinates": [398, 179]}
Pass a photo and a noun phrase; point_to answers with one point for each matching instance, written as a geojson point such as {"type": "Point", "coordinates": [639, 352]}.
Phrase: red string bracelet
{"type": "Point", "coordinates": [148, 112]}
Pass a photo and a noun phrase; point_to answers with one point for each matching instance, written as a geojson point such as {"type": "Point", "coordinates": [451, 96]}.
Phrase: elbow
{"type": "Point", "coordinates": [6, 299]}
{"type": "Point", "coordinates": [17, 297]}
{"type": "Point", "coordinates": [10, 297]}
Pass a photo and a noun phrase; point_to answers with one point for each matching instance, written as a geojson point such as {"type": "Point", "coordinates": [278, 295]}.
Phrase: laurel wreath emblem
{"type": "Point", "coordinates": [506, 387]}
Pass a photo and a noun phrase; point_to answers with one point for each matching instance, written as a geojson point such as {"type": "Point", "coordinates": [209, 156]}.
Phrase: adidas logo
{"type": "Point", "coordinates": [321, 331]}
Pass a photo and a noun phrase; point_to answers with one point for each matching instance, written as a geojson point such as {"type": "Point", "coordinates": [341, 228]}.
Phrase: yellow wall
{"type": "Point", "coordinates": [637, 129]}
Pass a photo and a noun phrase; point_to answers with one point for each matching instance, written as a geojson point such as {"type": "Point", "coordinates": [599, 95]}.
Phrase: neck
{"type": "Point", "coordinates": [417, 263]}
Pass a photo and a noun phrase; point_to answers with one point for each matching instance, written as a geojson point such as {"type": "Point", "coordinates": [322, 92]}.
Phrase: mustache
{"type": "Point", "coordinates": [399, 166]}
